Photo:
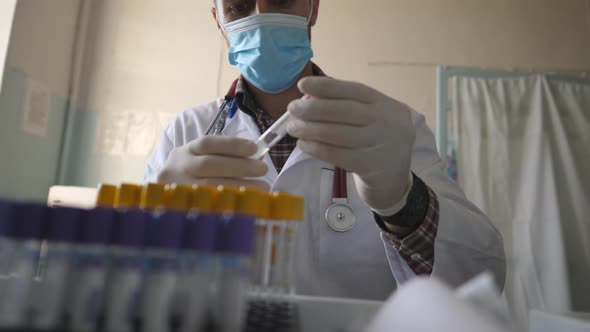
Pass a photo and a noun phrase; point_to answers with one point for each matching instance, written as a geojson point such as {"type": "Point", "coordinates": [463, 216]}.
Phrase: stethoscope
{"type": "Point", "coordinates": [340, 216]}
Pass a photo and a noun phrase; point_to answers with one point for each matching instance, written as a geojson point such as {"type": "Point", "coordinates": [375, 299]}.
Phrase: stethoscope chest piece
{"type": "Point", "coordinates": [340, 216]}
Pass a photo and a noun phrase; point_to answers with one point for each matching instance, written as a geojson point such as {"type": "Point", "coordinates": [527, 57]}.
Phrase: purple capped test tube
{"type": "Point", "coordinates": [47, 300]}
{"type": "Point", "coordinates": [197, 271]}
{"type": "Point", "coordinates": [7, 242]}
{"type": "Point", "coordinates": [25, 231]}
{"type": "Point", "coordinates": [201, 233]}
{"type": "Point", "coordinates": [124, 278]}
{"type": "Point", "coordinates": [87, 278]}
{"type": "Point", "coordinates": [235, 247]}
{"type": "Point", "coordinates": [237, 236]}
{"type": "Point", "coordinates": [165, 235]}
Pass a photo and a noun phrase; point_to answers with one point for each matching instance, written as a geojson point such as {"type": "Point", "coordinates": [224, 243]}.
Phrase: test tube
{"type": "Point", "coordinates": [202, 198]}
{"type": "Point", "coordinates": [197, 270]}
{"type": "Point", "coordinates": [224, 204]}
{"type": "Point", "coordinates": [272, 136]}
{"type": "Point", "coordinates": [15, 290]}
{"type": "Point", "coordinates": [225, 200]}
{"type": "Point", "coordinates": [152, 197]}
{"type": "Point", "coordinates": [281, 211]}
{"type": "Point", "coordinates": [90, 266]}
{"type": "Point", "coordinates": [106, 195]}
{"type": "Point", "coordinates": [7, 243]}
{"type": "Point", "coordinates": [125, 274]}
{"type": "Point", "coordinates": [160, 276]}
{"type": "Point", "coordinates": [127, 196]}
{"type": "Point", "coordinates": [48, 297]}
{"type": "Point", "coordinates": [235, 249]}
{"type": "Point", "coordinates": [177, 197]}
{"type": "Point", "coordinates": [256, 203]}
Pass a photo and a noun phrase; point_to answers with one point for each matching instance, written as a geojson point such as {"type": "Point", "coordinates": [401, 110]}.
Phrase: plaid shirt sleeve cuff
{"type": "Point", "coordinates": [417, 248]}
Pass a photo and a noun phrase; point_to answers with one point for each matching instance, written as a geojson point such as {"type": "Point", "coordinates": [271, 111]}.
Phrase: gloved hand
{"type": "Point", "coordinates": [359, 129]}
{"type": "Point", "coordinates": [215, 160]}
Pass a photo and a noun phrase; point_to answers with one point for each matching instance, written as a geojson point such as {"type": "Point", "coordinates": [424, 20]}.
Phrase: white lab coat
{"type": "Point", "coordinates": [358, 263]}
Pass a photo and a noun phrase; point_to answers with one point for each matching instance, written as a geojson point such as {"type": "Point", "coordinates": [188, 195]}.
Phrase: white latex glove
{"type": "Point", "coordinates": [359, 129]}
{"type": "Point", "coordinates": [215, 160]}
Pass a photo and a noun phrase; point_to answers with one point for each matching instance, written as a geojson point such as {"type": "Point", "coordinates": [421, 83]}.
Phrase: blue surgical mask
{"type": "Point", "coordinates": [270, 50]}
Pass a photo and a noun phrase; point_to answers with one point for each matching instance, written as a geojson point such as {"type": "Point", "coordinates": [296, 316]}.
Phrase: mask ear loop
{"type": "Point", "coordinates": [219, 22]}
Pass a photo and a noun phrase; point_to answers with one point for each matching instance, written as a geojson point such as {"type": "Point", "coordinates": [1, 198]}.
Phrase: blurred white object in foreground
{"type": "Point", "coordinates": [427, 305]}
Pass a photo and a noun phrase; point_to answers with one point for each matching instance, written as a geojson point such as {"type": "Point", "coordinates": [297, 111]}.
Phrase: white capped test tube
{"type": "Point", "coordinates": [272, 136]}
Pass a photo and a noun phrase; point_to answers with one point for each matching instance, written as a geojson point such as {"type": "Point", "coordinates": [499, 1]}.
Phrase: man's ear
{"type": "Point", "coordinates": [214, 13]}
{"type": "Point", "coordinates": [314, 14]}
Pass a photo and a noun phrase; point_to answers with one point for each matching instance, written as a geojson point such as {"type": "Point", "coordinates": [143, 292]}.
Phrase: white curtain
{"type": "Point", "coordinates": [523, 156]}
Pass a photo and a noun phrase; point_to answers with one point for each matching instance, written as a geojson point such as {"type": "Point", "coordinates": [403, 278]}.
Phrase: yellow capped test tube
{"type": "Point", "coordinates": [282, 211]}
{"type": "Point", "coordinates": [106, 196]}
{"type": "Point", "coordinates": [255, 202]}
{"type": "Point", "coordinates": [225, 199]}
{"type": "Point", "coordinates": [282, 207]}
{"type": "Point", "coordinates": [128, 196]}
{"type": "Point", "coordinates": [289, 245]}
{"type": "Point", "coordinates": [177, 197]}
{"type": "Point", "coordinates": [152, 197]}
{"type": "Point", "coordinates": [202, 198]}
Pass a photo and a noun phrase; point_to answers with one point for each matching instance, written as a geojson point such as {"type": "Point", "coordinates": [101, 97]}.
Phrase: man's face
{"type": "Point", "coordinates": [231, 10]}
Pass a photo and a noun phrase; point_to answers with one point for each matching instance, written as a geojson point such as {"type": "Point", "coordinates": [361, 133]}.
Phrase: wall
{"type": "Point", "coordinates": [154, 58]}
{"type": "Point", "coordinates": [39, 59]}
{"type": "Point", "coordinates": [149, 59]}
{"type": "Point", "coordinates": [6, 16]}
{"type": "Point", "coordinates": [395, 45]}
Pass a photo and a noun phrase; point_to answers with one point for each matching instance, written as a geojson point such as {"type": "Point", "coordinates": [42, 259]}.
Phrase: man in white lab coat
{"type": "Point", "coordinates": [411, 219]}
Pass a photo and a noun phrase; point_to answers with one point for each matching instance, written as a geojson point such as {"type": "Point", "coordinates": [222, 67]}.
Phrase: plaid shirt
{"type": "Point", "coordinates": [282, 150]}
{"type": "Point", "coordinates": [417, 248]}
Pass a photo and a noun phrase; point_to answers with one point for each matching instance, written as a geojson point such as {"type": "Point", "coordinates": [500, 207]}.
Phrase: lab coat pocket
{"type": "Point", "coordinates": [360, 246]}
